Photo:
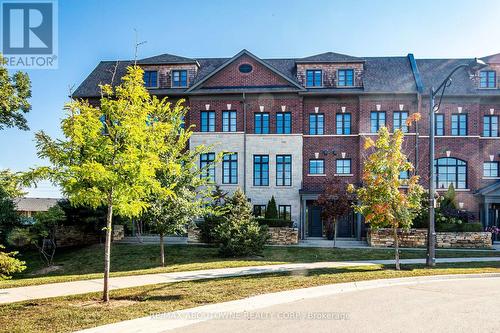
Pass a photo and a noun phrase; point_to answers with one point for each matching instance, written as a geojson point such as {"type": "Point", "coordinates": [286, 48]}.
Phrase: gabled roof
{"type": "Point", "coordinates": [329, 57]}
{"type": "Point", "coordinates": [492, 59]}
{"type": "Point", "coordinates": [35, 204]}
{"type": "Point", "coordinates": [239, 54]}
{"type": "Point", "coordinates": [165, 59]}
{"type": "Point", "coordinates": [491, 189]}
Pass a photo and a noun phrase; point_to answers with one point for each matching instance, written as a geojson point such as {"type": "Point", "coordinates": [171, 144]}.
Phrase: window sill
{"type": "Point", "coordinates": [343, 174]}
{"type": "Point", "coordinates": [456, 190]}
{"type": "Point", "coordinates": [316, 174]}
{"type": "Point", "coordinates": [490, 178]}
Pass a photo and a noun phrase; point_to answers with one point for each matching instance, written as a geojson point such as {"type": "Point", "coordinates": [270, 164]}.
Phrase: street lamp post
{"type": "Point", "coordinates": [473, 66]}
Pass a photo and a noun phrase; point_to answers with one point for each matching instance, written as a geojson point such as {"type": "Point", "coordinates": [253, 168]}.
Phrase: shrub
{"type": "Point", "coordinates": [9, 264]}
{"type": "Point", "coordinates": [271, 211]}
{"type": "Point", "coordinates": [472, 227]}
{"type": "Point", "coordinates": [207, 228]}
{"type": "Point", "coordinates": [238, 233]}
{"type": "Point", "coordinates": [274, 222]}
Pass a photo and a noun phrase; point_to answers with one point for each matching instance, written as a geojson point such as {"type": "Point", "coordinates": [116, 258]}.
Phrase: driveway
{"type": "Point", "coordinates": [447, 306]}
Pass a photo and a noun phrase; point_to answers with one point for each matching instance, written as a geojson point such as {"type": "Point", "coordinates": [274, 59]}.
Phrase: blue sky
{"type": "Point", "coordinates": [94, 30]}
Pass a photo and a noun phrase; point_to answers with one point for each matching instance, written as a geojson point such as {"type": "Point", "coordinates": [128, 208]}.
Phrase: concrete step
{"type": "Point", "coordinates": [344, 242]}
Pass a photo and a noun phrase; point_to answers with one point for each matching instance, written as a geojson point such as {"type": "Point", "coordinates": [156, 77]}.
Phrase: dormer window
{"type": "Point", "coordinates": [179, 78]}
{"type": "Point", "coordinates": [151, 79]}
{"type": "Point", "coordinates": [314, 78]}
{"type": "Point", "coordinates": [345, 78]}
{"type": "Point", "coordinates": [488, 79]}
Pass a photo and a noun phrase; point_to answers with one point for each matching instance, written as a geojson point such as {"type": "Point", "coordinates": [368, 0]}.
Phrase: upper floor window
{"type": "Point", "coordinates": [314, 78]}
{"type": "Point", "coordinates": [259, 210]}
{"type": "Point", "coordinates": [285, 212]}
{"type": "Point", "coordinates": [229, 121]}
{"type": "Point", "coordinates": [179, 78]}
{"type": "Point", "coordinates": [345, 78]}
{"type": "Point", "coordinates": [230, 168]}
{"type": "Point", "coordinates": [377, 120]}
{"type": "Point", "coordinates": [283, 123]}
{"type": "Point", "coordinates": [261, 123]}
{"type": "Point", "coordinates": [490, 126]}
{"type": "Point", "coordinates": [150, 79]}
{"type": "Point", "coordinates": [343, 166]}
{"type": "Point", "coordinates": [207, 120]}
{"type": "Point", "coordinates": [439, 127]}
{"type": "Point", "coordinates": [487, 79]}
{"type": "Point", "coordinates": [404, 175]}
{"type": "Point", "coordinates": [399, 121]}
{"type": "Point", "coordinates": [283, 170]}
{"type": "Point", "coordinates": [343, 123]}
{"type": "Point", "coordinates": [261, 170]}
{"type": "Point", "coordinates": [459, 124]}
{"type": "Point", "coordinates": [490, 169]}
{"type": "Point", "coordinates": [450, 171]}
{"type": "Point", "coordinates": [316, 124]}
{"type": "Point", "coordinates": [316, 167]}
{"type": "Point", "coordinates": [207, 166]}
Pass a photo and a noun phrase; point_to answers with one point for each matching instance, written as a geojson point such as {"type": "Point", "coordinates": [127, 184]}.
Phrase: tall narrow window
{"type": "Point", "coordinates": [343, 123]}
{"type": "Point", "coordinates": [399, 121]}
{"type": "Point", "coordinates": [316, 124]}
{"type": "Point", "coordinates": [345, 78]}
{"type": "Point", "coordinates": [314, 78]}
{"type": "Point", "coordinates": [377, 120]}
{"type": "Point", "coordinates": [229, 121]}
{"type": "Point", "coordinates": [459, 124]}
{"type": "Point", "coordinates": [207, 119]}
{"type": "Point", "coordinates": [450, 171]}
{"type": "Point", "coordinates": [285, 212]}
{"type": "Point", "coordinates": [283, 170]}
{"type": "Point", "coordinates": [207, 166]}
{"type": "Point", "coordinates": [487, 79]}
{"type": "Point", "coordinates": [343, 166]}
{"type": "Point", "coordinates": [490, 169]}
{"type": "Point", "coordinates": [151, 79]}
{"type": "Point", "coordinates": [261, 170]}
{"type": "Point", "coordinates": [261, 123]}
{"type": "Point", "coordinates": [439, 126]}
{"type": "Point", "coordinates": [179, 78]}
{"type": "Point", "coordinates": [283, 123]}
{"type": "Point", "coordinates": [316, 167]}
{"type": "Point", "coordinates": [230, 168]}
{"type": "Point", "coordinates": [490, 126]}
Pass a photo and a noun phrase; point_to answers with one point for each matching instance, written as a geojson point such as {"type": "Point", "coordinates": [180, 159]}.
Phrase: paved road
{"type": "Point", "coordinates": [11, 295]}
{"type": "Point", "coordinates": [447, 306]}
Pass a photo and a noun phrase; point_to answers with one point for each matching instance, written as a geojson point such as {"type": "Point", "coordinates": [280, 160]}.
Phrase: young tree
{"type": "Point", "coordinates": [384, 203]}
{"type": "Point", "coordinates": [9, 264]}
{"type": "Point", "coordinates": [15, 91]}
{"type": "Point", "coordinates": [449, 200]}
{"type": "Point", "coordinates": [271, 210]}
{"type": "Point", "coordinates": [239, 234]}
{"type": "Point", "coordinates": [335, 202]}
{"type": "Point", "coordinates": [110, 154]}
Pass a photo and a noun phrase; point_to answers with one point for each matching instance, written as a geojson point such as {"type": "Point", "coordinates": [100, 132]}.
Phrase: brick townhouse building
{"type": "Point", "coordinates": [293, 123]}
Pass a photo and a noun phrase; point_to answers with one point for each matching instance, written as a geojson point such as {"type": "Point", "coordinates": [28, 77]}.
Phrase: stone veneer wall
{"type": "Point", "coordinates": [418, 238]}
{"type": "Point", "coordinates": [277, 236]}
{"type": "Point", "coordinates": [76, 236]}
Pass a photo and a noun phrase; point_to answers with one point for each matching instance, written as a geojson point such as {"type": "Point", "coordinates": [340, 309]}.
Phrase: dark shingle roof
{"type": "Point", "coordinates": [166, 59]}
{"type": "Point", "coordinates": [330, 57]}
{"type": "Point", "coordinates": [388, 75]}
{"type": "Point", "coordinates": [102, 74]}
{"type": "Point", "coordinates": [434, 71]}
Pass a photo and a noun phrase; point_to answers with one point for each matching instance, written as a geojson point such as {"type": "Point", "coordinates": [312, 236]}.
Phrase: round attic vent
{"type": "Point", "coordinates": [245, 68]}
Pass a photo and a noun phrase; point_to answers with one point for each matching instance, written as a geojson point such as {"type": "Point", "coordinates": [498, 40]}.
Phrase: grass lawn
{"type": "Point", "coordinates": [67, 314]}
{"type": "Point", "coordinates": [87, 262]}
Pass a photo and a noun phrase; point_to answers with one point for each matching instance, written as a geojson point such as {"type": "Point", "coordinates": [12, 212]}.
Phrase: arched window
{"type": "Point", "coordinates": [450, 170]}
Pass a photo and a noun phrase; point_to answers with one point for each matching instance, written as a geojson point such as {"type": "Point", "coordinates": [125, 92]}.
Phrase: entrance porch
{"type": "Point", "coordinates": [490, 207]}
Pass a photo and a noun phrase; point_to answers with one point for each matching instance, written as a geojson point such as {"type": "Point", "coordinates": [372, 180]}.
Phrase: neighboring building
{"type": "Point", "coordinates": [293, 123]}
{"type": "Point", "coordinates": [29, 206]}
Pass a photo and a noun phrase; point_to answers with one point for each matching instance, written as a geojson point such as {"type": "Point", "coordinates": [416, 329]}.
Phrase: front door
{"type": "Point", "coordinates": [315, 225]}
{"type": "Point", "coordinates": [345, 226]}
{"type": "Point", "coordinates": [495, 220]}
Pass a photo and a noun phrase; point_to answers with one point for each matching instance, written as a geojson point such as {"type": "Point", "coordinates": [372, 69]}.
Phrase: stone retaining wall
{"type": "Point", "coordinates": [194, 234]}
{"type": "Point", "coordinates": [418, 238]}
{"type": "Point", "coordinates": [277, 235]}
{"type": "Point", "coordinates": [71, 235]}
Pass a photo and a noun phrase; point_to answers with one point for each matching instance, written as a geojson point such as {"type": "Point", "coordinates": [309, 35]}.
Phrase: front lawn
{"type": "Point", "coordinates": [66, 314]}
{"type": "Point", "coordinates": [87, 262]}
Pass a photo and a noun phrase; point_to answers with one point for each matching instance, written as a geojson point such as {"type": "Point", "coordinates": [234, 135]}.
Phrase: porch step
{"type": "Point", "coordinates": [341, 243]}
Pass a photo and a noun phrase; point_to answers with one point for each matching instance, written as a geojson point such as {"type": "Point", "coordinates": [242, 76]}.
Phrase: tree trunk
{"type": "Point", "coordinates": [396, 247]}
{"type": "Point", "coordinates": [162, 251]}
{"type": "Point", "coordinates": [107, 248]}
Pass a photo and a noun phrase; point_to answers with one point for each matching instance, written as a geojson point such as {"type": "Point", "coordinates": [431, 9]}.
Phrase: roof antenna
{"type": "Point", "coordinates": [137, 44]}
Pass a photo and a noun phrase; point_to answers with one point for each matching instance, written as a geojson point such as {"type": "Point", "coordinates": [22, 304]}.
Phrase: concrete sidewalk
{"type": "Point", "coordinates": [18, 294]}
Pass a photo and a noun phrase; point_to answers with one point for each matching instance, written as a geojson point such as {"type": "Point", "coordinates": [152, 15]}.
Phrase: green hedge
{"type": "Point", "coordinates": [464, 227]}
{"type": "Point", "coordinates": [275, 222]}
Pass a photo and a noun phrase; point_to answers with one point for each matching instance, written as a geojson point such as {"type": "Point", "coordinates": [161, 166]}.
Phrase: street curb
{"type": "Point", "coordinates": [174, 320]}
